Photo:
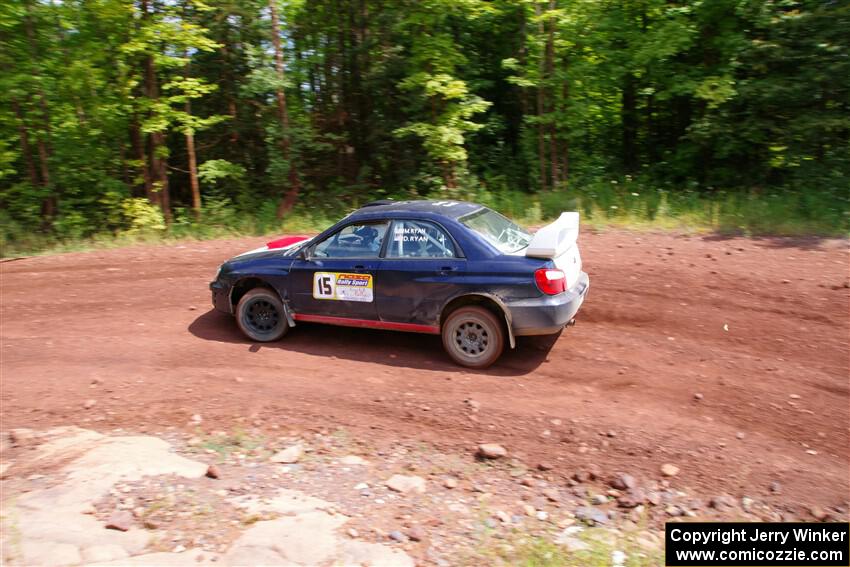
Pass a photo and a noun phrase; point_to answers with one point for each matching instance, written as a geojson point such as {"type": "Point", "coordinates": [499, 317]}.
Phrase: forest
{"type": "Point", "coordinates": [170, 118]}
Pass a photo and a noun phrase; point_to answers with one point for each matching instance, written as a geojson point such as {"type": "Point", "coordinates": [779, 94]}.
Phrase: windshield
{"type": "Point", "coordinates": [505, 235]}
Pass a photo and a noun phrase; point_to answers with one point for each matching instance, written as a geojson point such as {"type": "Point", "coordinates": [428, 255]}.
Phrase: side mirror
{"type": "Point", "coordinates": [303, 255]}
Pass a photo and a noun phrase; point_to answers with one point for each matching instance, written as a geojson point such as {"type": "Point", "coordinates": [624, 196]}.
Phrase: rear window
{"type": "Point", "coordinates": [499, 231]}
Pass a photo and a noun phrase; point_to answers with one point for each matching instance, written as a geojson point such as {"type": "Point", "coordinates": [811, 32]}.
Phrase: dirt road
{"type": "Point", "coordinates": [725, 357]}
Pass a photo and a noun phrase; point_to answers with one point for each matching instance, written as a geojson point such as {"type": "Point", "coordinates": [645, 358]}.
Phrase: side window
{"type": "Point", "coordinates": [419, 239]}
{"type": "Point", "coordinates": [354, 241]}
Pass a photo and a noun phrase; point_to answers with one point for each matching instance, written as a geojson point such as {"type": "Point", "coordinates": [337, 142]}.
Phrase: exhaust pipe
{"type": "Point", "coordinates": [571, 323]}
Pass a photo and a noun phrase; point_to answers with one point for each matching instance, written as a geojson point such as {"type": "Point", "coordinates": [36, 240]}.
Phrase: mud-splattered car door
{"type": "Point", "coordinates": [422, 268]}
{"type": "Point", "coordinates": [335, 278]}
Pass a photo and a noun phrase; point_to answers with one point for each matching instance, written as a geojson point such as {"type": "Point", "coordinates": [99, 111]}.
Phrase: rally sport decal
{"type": "Point", "coordinates": [342, 287]}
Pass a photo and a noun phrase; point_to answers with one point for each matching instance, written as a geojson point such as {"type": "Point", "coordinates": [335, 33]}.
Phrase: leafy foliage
{"type": "Point", "coordinates": [185, 106]}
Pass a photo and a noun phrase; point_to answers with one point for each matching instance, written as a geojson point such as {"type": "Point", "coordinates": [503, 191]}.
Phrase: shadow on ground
{"type": "Point", "coordinates": [396, 349]}
{"type": "Point", "coordinates": [800, 242]}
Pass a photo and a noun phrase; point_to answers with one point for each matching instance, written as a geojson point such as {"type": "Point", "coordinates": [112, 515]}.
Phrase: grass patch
{"type": "Point", "coordinates": [599, 549]}
{"type": "Point", "coordinates": [236, 442]}
{"type": "Point", "coordinates": [630, 204]}
{"type": "Point", "coordinates": [624, 203]}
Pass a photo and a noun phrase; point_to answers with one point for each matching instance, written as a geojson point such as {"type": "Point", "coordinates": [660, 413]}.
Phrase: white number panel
{"type": "Point", "coordinates": [343, 286]}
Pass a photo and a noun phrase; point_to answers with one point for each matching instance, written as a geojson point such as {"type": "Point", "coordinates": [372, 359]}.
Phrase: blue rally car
{"type": "Point", "coordinates": [447, 268]}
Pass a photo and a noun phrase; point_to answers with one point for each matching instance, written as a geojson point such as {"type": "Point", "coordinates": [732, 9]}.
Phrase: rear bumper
{"type": "Point", "coordinates": [548, 314]}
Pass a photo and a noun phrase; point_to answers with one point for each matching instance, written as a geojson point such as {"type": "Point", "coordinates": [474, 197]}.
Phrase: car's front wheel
{"type": "Point", "coordinates": [260, 315]}
{"type": "Point", "coordinates": [473, 337]}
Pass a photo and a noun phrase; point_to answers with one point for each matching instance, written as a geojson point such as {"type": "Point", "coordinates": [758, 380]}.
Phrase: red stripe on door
{"type": "Point", "coordinates": [367, 323]}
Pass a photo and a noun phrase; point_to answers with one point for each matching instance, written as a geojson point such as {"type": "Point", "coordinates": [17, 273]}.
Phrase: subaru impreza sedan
{"type": "Point", "coordinates": [449, 268]}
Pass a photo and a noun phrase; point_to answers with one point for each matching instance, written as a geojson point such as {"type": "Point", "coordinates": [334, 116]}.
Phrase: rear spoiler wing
{"type": "Point", "coordinates": [556, 238]}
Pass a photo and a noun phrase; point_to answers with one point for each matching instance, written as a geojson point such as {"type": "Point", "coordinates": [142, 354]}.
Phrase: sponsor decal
{"type": "Point", "coordinates": [343, 286]}
{"type": "Point", "coordinates": [410, 234]}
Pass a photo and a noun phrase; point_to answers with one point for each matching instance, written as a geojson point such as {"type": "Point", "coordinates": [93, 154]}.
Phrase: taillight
{"type": "Point", "coordinates": [550, 282]}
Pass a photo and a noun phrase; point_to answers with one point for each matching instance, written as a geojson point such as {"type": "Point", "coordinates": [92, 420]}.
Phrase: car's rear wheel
{"type": "Point", "coordinates": [260, 315]}
{"type": "Point", "coordinates": [473, 337]}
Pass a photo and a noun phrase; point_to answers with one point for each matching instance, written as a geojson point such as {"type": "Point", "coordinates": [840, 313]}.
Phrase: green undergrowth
{"type": "Point", "coordinates": [599, 548]}
{"type": "Point", "coordinates": [618, 203]}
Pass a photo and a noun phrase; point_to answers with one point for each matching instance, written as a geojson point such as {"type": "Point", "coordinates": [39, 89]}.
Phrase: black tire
{"type": "Point", "coordinates": [260, 315]}
{"type": "Point", "coordinates": [473, 337]}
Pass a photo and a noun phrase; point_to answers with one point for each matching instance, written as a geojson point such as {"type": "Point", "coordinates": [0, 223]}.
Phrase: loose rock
{"type": "Point", "coordinates": [623, 482]}
{"type": "Point", "coordinates": [22, 436]}
{"type": "Point", "coordinates": [120, 520]}
{"type": "Point", "coordinates": [722, 502]}
{"type": "Point", "coordinates": [288, 456]}
{"type": "Point", "coordinates": [591, 514]}
{"type": "Point", "coordinates": [673, 511]}
{"type": "Point", "coordinates": [552, 494]}
{"type": "Point", "coordinates": [491, 451]}
{"type": "Point", "coordinates": [213, 472]}
{"type": "Point", "coordinates": [405, 484]}
{"type": "Point", "coordinates": [632, 499]}
{"type": "Point", "coordinates": [502, 516]}
{"type": "Point", "coordinates": [668, 469]}
{"type": "Point", "coordinates": [573, 544]}
{"type": "Point", "coordinates": [353, 460]}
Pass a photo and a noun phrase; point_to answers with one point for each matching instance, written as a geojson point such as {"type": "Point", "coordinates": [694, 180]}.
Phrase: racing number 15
{"type": "Point", "coordinates": [324, 285]}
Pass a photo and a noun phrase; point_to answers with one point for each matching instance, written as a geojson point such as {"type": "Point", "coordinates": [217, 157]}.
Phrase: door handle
{"type": "Point", "coordinates": [446, 269]}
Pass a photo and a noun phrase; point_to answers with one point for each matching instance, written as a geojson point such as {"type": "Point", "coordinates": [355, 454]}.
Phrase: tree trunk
{"type": "Point", "coordinates": [193, 162]}
{"type": "Point", "coordinates": [550, 72]}
{"type": "Point", "coordinates": [228, 81]}
{"type": "Point", "coordinates": [26, 151]}
{"type": "Point", "coordinates": [565, 159]}
{"type": "Point", "coordinates": [139, 150]}
{"type": "Point", "coordinates": [193, 174]}
{"type": "Point", "coordinates": [522, 56]}
{"type": "Point", "coordinates": [158, 165]}
{"type": "Point", "coordinates": [122, 156]}
{"type": "Point", "coordinates": [48, 206]}
{"type": "Point", "coordinates": [541, 110]}
{"type": "Point", "coordinates": [193, 170]}
{"type": "Point", "coordinates": [629, 119]}
{"type": "Point", "coordinates": [159, 168]}
{"type": "Point", "coordinates": [364, 109]}
{"type": "Point", "coordinates": [291, 195]}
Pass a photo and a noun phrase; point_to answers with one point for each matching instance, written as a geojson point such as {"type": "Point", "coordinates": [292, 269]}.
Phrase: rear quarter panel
{"type": "Point", "coordinates": [491, 273]}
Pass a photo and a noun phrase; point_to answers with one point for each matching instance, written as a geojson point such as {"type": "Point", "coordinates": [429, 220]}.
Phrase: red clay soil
{"type": "Point", "coordinates": [725, 357]}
